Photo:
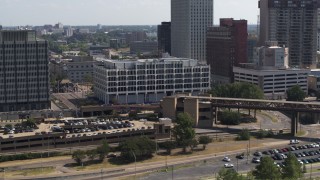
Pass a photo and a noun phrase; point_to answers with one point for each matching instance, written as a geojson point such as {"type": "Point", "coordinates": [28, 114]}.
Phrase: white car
{"type": "Point", "coordinates": [294, 141]}
{"type": "Point", "coordinates": [228, 165]}
{"type": "Point", "coordinates": [226, 159]}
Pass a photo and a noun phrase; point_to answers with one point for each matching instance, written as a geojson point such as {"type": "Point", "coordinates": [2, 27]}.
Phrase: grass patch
{"type": "Point", "coordinates": [273, 119]}
{"type": "Point", "coordinates": [32, 161]}
{"type": "Point", "coordinates": [301, 133]}
{"type": "Point", "coordinates": [213, 148]}
{"type": "Point", "coordinates": [31, 172]}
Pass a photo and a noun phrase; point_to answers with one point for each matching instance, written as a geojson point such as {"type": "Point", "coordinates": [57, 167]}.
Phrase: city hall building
{"type": "Point", "coordinates": [148, 80]}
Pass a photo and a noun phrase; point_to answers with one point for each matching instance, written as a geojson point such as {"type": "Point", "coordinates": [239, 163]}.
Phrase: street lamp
{"type": "Point", "coordinates": [135, 165]}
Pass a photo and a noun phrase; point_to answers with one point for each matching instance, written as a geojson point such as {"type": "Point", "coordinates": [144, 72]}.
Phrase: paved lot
{"type": "Point", "coordinates": [211, 169]}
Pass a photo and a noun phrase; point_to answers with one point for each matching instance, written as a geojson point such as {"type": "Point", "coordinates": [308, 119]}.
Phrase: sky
{"type": "Point", "coordinates": [110, 12]}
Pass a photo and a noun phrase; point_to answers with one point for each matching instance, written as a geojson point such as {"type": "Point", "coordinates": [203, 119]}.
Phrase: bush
{"type": "Point", "coordinates": [229, 118]}
{"type": "Point", "coordinates": [27, 156]}
{"type": "Point", "coordinates": [243, 135]}
{"type": "Point", "coordinates": [265, 134]}
{"type": "Point", "coordinates": [247, 119]}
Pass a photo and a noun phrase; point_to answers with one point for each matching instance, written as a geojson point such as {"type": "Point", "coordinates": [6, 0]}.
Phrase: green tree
{"type": "Point", "coordinates": [92, 154]}
{"type": "Point", "coordinates": [204, 140]}
{"type": "Point", "coordinates": [193, 144]}
{"type": "Point", "coordinates": [267, 170]}
{"type": "Point", "coordinates": [183, 131]}
{"type": "Point", "coordinates": [238, 90]}
{"type": "Point", "coordinates": [168, 146]}
{"type": "Point", "coordinates": [133, 114]}
{"type": "Point", "coordinates": [229, 174]}
{"type": "Point", "coordinates": [292, 168]}
{"type": "Point", "coordinates": [229, 118]}
{"type": "Point", "coordinates": [244, 135]}
{"type": "Point", "coordinates": [103, 150]}
{"type": "Point", "coordinates": [8, 126]}
{"type": "Point", "coordinates": [295, 94]}
{"type": "Point", "coordinates": [30, 122]}
{"type": "Point", "coordinates": [79, 156]}
{"type": "Point", "coordinates": [141, 147]}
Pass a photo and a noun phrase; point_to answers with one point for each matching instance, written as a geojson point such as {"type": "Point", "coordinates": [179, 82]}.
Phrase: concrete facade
{"type": "Point", "coordinates": [273, 82]}
{"type": "Point", "coordinates": [189, 22]}
{"type": "Point", "coordinates": [201, 112]}
{"type": "Point", "coordinates": [293, 24]}
{"type": "Point", "coordinates": [148, 80]}
{"type": "Point", "coordinates": [24, 72]}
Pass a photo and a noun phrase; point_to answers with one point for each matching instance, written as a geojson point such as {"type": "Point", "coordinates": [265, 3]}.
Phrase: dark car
{"type": "Point", "coordinates": [265, 153]}
{"type": "Point", "coordinates": [111, 155]}
{"type": "Point", "coordinates": [240, 156]}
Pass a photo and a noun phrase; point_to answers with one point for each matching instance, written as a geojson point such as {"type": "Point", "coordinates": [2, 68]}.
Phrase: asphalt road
{"type": "Point", "coordinates": [211, 169]}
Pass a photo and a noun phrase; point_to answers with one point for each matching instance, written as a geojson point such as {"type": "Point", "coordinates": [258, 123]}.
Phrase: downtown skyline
{"type": "Point", "coordinates": [110, 12]}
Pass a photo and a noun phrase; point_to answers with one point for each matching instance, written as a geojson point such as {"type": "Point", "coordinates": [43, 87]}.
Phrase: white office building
{"type": "Point", "coordinates": [189, 22]}
{"type": "Point", "coordinates": [148, 80]}
{"type": "Point", "coordinates": [273, 82]}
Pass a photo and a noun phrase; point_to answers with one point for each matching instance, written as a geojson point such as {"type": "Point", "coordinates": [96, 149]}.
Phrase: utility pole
{"type": "Point", "coordinates": [172, 173]}
{"type": "Point", "coordinates": [135, 165]}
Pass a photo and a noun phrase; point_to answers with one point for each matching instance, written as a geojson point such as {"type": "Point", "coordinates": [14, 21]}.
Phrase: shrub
{"type": "Point", "coordinates": [243, 135]}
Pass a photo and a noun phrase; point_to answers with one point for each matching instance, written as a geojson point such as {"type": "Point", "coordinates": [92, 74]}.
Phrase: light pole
{"type": "Point", "coordinates": [4, 173]}
{"type": "Point", "coordinates": [311, 172]}
{"type": "Point", "coordinates": [172, 173]}
{"type": "Point", "coordinates": [135, 165]}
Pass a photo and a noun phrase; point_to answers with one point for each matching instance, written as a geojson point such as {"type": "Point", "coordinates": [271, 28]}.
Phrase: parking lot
{"type": "Point", "coordinates": [306, 154]}
{"type": "Point", "coordinates": [77, 127]}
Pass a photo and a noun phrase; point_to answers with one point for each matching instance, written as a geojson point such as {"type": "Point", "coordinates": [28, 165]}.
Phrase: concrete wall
{"type": "Point", "coordinates": [168, 106]}
{"type": "Point", "coordinates": [191, 106]}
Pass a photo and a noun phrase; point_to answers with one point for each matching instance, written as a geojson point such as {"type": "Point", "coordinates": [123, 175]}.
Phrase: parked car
{"type": "Point", "coordinates": [228, 165]}
{"type": "Point", "coordinates": [226, 159]}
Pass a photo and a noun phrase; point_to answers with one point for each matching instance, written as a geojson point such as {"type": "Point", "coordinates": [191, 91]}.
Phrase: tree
{"type": "Point", "coordinates": [229, 174]}
{"type": "Point", "coordinates": [103, 150]}
{"type": "Point", "coordinates": [244, 135]}
{"type": "Point", "coordinates": [295, 94]}
{"type": "Point", "coordinates": [141, 147]}
{"type": "Point", "coordinates": [292, 168]}
{"type": "Point", "coordinates": [204, 140]}
{"type": "Point", "coordinates": [238, 90]}
{"type": "Point", "coordinates": [168, 146]}
{"type": "Point", "coordinates": [8, 126]}
{"type": "Point", "coordinates": [79, 156]}
{"type": "Point", "coordinates": [193, 144]}
{"type": "Point", "coordinates": [183, 131]}
{"type": "Point", "coordinates": [267, 170]}
{"type": "Point", "coordinates": [133, 114]}
{"type": "Point", "coordinates": [92, 154]}
{"type": "Point", "coordinates": [229, 118]}
{"type": "Point", "coordinates": [31, 123]}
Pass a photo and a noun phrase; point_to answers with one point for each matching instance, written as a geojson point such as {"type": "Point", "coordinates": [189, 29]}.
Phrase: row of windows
{"type": "Point", "coordinates": [160, 87]}
{"type": "Point", "coordinates": [140, 72]}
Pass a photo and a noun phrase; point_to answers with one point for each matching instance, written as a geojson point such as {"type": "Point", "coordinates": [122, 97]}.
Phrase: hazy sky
{"type": "Point", "coordinates": [110, 12]}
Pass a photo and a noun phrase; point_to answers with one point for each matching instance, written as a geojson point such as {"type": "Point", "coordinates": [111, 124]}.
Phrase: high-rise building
{"type": "Point", "coordinates": [226, 47]}
{"type": "Point", "coordinates": [252, 43]}
{"type": "Point", "coordinates": [68, 31]}
{"type": "Point", "coordinates": [164, 37]}
{"type": "Point", "coordinates": [293, 23]}
{"type": "Point", "coordinates": [24, 74]}
{"type": "Point", "coordinates": [189, 22]}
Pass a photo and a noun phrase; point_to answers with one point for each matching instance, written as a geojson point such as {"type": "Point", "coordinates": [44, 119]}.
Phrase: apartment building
{"type": "Point", "coordinates": [293, 23]}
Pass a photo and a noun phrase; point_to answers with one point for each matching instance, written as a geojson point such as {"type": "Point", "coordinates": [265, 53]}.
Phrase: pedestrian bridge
{"type": "Point", "coordinates": [293, 108]}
